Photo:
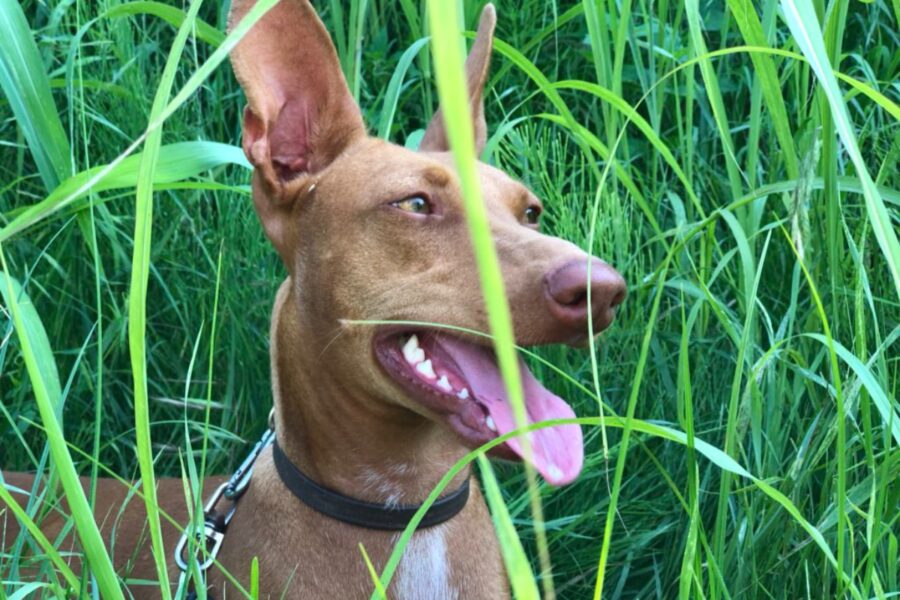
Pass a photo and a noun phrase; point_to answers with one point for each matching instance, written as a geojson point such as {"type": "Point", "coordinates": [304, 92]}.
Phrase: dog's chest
{"type": "Point", "coordinates": [424, 572]}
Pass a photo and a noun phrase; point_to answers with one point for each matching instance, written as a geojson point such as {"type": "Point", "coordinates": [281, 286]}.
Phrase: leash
{"type": "Point", "coordinates": [204, 546]}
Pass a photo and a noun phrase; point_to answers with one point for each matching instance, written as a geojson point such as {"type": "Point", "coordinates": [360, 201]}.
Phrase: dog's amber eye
{"type": "Point", "coordinates": [415, 204]}
{"type": "Point", "coordinates": [533, 215]}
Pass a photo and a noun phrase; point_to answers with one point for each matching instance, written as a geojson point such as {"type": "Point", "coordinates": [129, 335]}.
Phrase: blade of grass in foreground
{"type": "Point", "coordinates": [170, 14]}
{"type": "Point", "coordinates": [714, 94]}
{"type": "Point", "coordinates": [27, 88]}
{"type": "Point", "coordinates": [38, 537]}
{"type": "Point", "coordinates": [91, 540]}
{"type": "Point", "coordinates": [451, 85]}
{"type": "Point", "coordinates": [137, 304]}
{"type": "Point", "coordinates": [392, 95]}
{"type": "Point", "coordinates": [177, 162]}
{"type": "Point", "coordinates": [691, 571]}
{"type": "Point", "coordinates": [626, 432]}
{"type": "Point", "coordinates": [841, 426]}
{"type": "Point", "coordinates": [801, 18]}
{"type": "Point", "coordinates": [33, 329]}
{"type": "Point", "coordinates": [521, 578]}
{"type": "Point", "coordinates": [752, 31]}
{"type": "Point", "coordinates": [186, 92]}
{"type": "Point", "coordinates": [716, 456]}
{"type": "Point", "coordinates": [379, 588]}
{"type": "Point", "coordinates": [751, 285]}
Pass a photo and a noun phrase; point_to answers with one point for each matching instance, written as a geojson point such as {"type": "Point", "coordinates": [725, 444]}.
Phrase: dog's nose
{"type": "Point", "coordinates": [567, 294]}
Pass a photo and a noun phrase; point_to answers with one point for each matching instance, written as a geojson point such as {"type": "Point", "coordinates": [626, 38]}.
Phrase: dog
{"type": "Point", "coordinates": [369, 418]}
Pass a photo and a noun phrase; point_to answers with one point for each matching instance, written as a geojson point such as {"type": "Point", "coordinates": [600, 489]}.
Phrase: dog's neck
{"type": "Point", "coordinates": [365, 449]}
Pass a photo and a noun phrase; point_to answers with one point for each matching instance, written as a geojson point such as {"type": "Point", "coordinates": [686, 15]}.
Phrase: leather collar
{"type": "Point", "coordinates": [357, 512]}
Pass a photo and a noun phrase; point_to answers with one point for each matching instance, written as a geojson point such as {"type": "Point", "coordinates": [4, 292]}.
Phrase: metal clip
{"type": "Point", "coordinates": [211, 538]}
{"type": "Point", "coordinates": [215, 524]}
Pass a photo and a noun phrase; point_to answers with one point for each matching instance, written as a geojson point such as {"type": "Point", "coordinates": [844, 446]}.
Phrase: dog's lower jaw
{"type": "Point", "coordinates": [384, 455]}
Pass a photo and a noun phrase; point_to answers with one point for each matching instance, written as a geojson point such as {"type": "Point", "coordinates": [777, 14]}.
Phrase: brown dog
{"type": "Point", "coordinates": [371, 231]}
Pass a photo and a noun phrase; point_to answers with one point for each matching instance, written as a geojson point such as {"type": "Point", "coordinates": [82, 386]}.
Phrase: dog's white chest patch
{"type": "Point", "coordinates": [423, 573]}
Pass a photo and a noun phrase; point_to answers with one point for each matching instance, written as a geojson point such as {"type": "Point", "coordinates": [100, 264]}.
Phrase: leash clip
{"type": "Point", "coordinates": [215, 523]}
{"type": "Point", "coordinates": [209, 542]}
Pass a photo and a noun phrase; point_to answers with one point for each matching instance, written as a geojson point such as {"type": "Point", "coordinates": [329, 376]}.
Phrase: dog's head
{"type": "Point", "coordinates": [372, 231]}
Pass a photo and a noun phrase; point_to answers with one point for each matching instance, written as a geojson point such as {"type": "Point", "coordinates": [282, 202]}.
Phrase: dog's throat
{"type": "Point", "coordinates": [387, 517]}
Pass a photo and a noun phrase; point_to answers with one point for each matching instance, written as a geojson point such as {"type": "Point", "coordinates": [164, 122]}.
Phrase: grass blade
{"type": "Point", "coordinates": [91, 541]}
{"type": "Point", "coordinates": [392, 95]}
{"type": "Point", "coordinates": [27, 523]}
{"type": "Point", "coordinates": [714, 93]}
{"type": "Point", "coordinates": [25, 83]}
{"type": "Point", "coordinates": [518, 569]}
{"type": "Point", "coordinates": [886, 406]}
{"type": "Point", "coordinates": [451, 83]}
{"type": "Point", "coordinates": [602, 561]}
{"type": "Point", "coordinates": [801, 18]}
{"type": "Point", "coordinates": [379, 588]}
{"type": "Point", "coordinates": [137, 305]}
{"type": "Point", "coordinates": [176, 162]}
{"type": "Point", "coordinates": [170, 14]}
{"type": "Point", "coordinates": [33, 330]}
{"type": "Point", "coordinates": [751, 29]}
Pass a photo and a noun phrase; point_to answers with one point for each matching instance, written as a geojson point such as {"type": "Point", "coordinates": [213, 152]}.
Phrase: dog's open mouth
{"type": "Point", "coordinates": [460, 382]}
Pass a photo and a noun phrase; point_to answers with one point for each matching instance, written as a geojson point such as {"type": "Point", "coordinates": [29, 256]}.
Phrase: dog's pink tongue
{"type": "Point", "coordinates": [557, 452]}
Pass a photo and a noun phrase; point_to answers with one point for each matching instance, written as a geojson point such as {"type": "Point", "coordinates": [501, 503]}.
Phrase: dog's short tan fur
{"type": "Point", "coordinates": [322, 189]}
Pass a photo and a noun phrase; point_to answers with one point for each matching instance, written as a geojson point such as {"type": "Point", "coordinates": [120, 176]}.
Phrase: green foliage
{"type": "Point", "coordinates": [521, 577]}
{"type": "Point", "coordinates": [26, 86]}
{"type": "Point", "coordinates": [736, 161]}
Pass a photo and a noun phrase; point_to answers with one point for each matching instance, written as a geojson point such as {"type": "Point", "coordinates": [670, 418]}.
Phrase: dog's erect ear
{"type": "Point", "coordinates": [477, 64]}
{"type": "Point", "coordinates": [301, 114]}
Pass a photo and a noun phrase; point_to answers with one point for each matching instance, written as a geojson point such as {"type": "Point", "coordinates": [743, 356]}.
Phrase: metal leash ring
{"type": "Point", "coordinates": [215, 523]}
{"type": "Point", "coordinates": [212, 536]}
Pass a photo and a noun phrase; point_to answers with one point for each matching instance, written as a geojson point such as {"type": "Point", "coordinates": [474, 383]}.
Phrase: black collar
{"type": "Point", "coordinates": [359, 513]}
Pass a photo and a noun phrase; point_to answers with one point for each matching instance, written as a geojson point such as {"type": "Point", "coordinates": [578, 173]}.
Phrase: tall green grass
{"type": "Point", "coordinates": [737, 162]}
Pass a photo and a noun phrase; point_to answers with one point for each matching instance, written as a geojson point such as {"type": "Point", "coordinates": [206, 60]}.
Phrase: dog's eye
{"type": "Point", "coordinates": [533, 215]}
{"type": "Point", "coordinates": [415, 204]}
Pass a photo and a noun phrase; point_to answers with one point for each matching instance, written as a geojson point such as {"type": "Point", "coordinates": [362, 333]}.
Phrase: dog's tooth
{"type": "Point", "coordinates": [411, 351]}
{"type": "Point", "coordinates": [489, 421]}
{"type": "Point", "coordinates": [426, 369]}
{"type": "Point", "coordinates": [444, 384]}
{"type": "Point", "coordinates": [463, 394]}
{"type": "Point", "coordinates": [412, 342]}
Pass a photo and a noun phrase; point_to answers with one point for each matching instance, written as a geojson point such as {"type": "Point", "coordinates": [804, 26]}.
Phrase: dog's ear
{"type": "Point", "coordinates": [477, 64]}
{"type": "Point", "coordinates": [301, 114]}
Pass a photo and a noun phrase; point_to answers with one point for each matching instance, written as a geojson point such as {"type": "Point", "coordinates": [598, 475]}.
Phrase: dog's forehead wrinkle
{"type": "Point", "coordinates": [377, 169]}
{"type": "Point", "coordinates": [384, 306]}
{"type": "Point", "coordinates": [505, 196]}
